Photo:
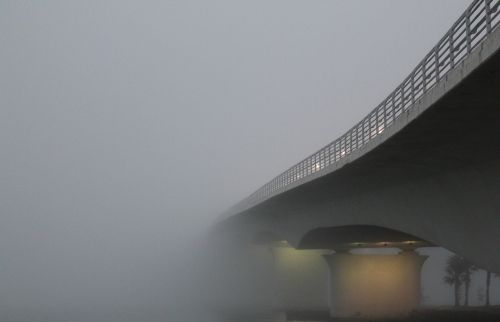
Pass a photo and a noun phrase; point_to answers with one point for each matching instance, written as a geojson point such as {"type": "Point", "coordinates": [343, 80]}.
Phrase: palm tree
{"type": "Point", "coordinates": [454, 271]}
{"type": "Point", "coordinates": [468, 269]}
{"type": "Point", "coordinates": [488, 282]}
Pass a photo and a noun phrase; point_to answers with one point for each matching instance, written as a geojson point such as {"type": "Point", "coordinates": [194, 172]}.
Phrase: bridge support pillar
{"type": "Point", "coordinates": [301, 277]}
{"type": "Point", "coordinates": [374, 285]}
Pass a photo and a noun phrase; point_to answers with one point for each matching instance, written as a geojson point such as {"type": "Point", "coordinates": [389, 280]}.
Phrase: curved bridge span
{"type": "Point", "coordinates": [425, 162]}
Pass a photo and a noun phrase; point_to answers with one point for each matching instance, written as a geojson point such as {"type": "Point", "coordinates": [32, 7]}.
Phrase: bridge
{"type": "Point", "coordinates": [421, 169]}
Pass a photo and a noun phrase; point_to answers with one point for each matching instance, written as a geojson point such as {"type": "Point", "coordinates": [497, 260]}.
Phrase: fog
{"type": "Point", "coordinates": [127, 127]}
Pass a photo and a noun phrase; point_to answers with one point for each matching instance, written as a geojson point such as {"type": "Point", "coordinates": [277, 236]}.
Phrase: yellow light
{"type": "Point", "coordinates": [375, 285]}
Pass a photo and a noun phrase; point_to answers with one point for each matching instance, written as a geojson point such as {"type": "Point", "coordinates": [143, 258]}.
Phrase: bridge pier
{"type": "Point", "coordinates": [374, 285]}
{"type": "Point", "coordinates": [301, 277]}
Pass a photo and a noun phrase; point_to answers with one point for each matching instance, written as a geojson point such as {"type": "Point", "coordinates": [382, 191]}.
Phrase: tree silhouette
{"type": "Point", "coordinates": [488, 282]}
{"type": "Point", "coordinates": [455, 269]}
{"type": "Point", "coordinates": [468, 269]}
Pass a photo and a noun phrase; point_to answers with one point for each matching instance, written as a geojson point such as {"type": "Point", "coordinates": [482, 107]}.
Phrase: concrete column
{"type": "Point", "coordinates": [301, 279]}
{"type": "Point", "coordinates": [374, 285]}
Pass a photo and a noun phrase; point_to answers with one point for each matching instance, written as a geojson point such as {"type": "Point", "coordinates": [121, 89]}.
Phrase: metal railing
{"type": "Point", "coordinates": [473, 26]}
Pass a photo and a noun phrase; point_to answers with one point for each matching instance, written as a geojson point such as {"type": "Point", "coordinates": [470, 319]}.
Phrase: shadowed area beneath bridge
{"type": "Point", "coordinates": [359, 236]}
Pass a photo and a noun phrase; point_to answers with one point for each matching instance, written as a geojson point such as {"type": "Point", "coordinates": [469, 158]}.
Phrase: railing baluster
{"type": "Point", "coordinates": [424, 76]}
{"type": "Point", "coordinates": [436, 62]}
{"type": "Point", "coordinates": [385, 113]}
{"type": "Point", "coordinates": [412, 88]}
{"type": "Point", "coordinates": [351, 144]}
{"type": "Point", "coordinates": [487, 11]}
{"type": "Point", "coordinates": [393, 99]}
{"type": "Point", "coordinates": [467, 31]}
{"type": "Point", "coordinates": [452, 49]}
{"type": "Point", "coordinates": [363, 132]}
{"type": "Point", "coordinates": [402, 98]}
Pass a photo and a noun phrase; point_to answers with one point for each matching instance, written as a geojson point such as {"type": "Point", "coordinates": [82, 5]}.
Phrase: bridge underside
{"type": "Point", "coordinates": [435, 179]}
{"type": "Point", "coordinates": [359, 236]}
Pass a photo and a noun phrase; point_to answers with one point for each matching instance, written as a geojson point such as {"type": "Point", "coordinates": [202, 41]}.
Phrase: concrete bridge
{"type": "Point", "coordinates": [423, 168]}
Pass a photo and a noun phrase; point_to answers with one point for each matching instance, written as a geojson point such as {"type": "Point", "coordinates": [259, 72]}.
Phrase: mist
{"type": "Point", "coordinates": [128, 127]}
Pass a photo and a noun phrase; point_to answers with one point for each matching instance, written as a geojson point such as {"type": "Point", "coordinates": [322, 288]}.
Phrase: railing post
{"type": "Point", "coordinates": [351, 145]}
{"type": "Point", "coordinates": [385, 113]}
{"type": "Point", "coordinates": [363, 132]}
{"type": "Point", "coordinates": [393, 99]}
{"type": "Point", "coordinates": [412, 82]}
{"type": "Point", "coordinates": [360, 134]}
{"type": "Point", "coordinates": [467, 31]}
{"type": "Point", "coordinates": [424, 76]}
{"type": "Point", "coordinates": [402, 98]}
{"type": "Point", "coordinates": [488, 15]}
{"type": "Point", "coordinates": [436, 61]}
{"type": "Point", "coordinates": [452, 49]}
{"type": "Point", "coordinates": [356, 138]}
{"type": "Point", "coordinates": [375, 125]}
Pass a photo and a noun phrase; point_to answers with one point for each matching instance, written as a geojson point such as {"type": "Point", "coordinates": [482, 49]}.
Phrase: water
{"type": "Point", "coordinates": [476, 314]}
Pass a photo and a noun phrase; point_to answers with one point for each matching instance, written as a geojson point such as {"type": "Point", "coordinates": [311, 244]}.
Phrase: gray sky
{"type": "Point", "coordinates": [127, 126]}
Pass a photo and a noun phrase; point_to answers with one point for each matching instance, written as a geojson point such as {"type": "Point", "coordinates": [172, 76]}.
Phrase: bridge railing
{"type": "Point", "coordinates": [473, 26]}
